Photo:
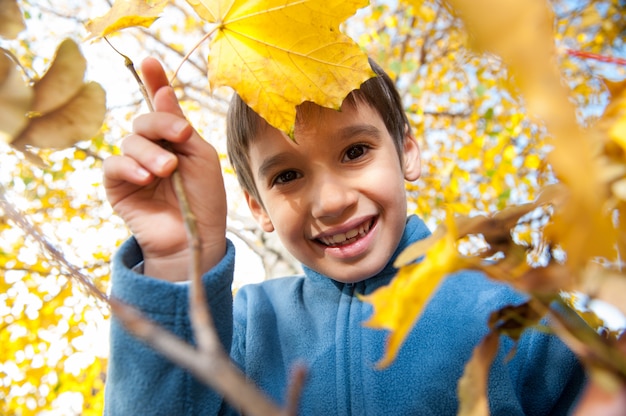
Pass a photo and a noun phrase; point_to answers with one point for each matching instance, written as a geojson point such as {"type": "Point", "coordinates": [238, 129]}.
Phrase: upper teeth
{"type": "Point", "coordinates": [343, 237]}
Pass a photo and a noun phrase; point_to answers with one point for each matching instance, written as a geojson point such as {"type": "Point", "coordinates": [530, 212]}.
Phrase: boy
{"type": "Point", "coordinates": [337, 200]}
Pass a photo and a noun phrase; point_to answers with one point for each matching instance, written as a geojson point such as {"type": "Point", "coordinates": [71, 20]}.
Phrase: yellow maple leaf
{"type": "Point", "coordinates": [279, 53]}
{"type": "Point", "coordinates": [125, 14]}
{"type": "Point", "coordinates": [614, 118]}
{"type": "Point", "coordinates": [398, 305]}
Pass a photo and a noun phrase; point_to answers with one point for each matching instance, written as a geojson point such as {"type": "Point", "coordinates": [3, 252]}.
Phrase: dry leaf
{"type": "Point", "coordinates": [124, 14]}
{"type": "Point", "coordinates": [279, 53]}
{"type": "Point", "coordinates": [513, 320]}
{"type": "Point", "coordinates": [419, 248]}
{"type": "Point", "coordinates": [79, 119]}
{"type": "Point", "coordinates": [606, 285]}
{"type": "Point", "coordinates": [472, 387]}
{"type": "Point", "coordinates": [15, 100]}
{"type": "Point", "coordinates": [62, 80]}
{"type": "Point", "coordinates": [398, 305]}
{"type": "Point", "coordinates": [11, 19]}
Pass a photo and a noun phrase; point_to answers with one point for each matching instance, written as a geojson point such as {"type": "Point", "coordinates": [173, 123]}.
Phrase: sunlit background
{"type": "Point", "coordinates": [481, 153]}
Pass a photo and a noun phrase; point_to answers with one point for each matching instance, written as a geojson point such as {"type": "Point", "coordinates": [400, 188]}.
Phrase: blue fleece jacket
{"type": "Point", "coordinates": [317, 321]}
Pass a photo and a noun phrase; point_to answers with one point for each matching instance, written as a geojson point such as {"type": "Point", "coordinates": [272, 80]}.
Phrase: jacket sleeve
{"type": "Point", "coordinates": [140, 381]}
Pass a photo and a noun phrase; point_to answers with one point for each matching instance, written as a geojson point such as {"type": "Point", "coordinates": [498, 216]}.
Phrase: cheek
{"type": "Point", "coordinates": [387, 183]}
{"type": "Point", "coordinates": [285, 220]}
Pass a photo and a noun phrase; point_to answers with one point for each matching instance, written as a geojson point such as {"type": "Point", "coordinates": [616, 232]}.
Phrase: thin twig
{"type": "Point", "coordinates": [196, 46]}
{"type": "Point", "coordinates": [209, 362]}
{"type": "Point", "coordinates": [131, 67]}
{"type": "Point", "coordinates": [201, 320]}
{"type": "Point", "coordinates": [597, 57]}
{"type": "Point", "coordinates": [585, 342]}
{"type": "Point", "coordinates": [296, 384]}
{"type": "Point", "coordinates": [19, 218]}
{"type": "Point", "coordinates": [215, 370]}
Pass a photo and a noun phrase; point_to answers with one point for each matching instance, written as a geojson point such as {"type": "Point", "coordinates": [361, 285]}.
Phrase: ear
{"type": "Point", "coordinates": [259, 213]}
{"type": "Point", "coordinates": [412, 160]}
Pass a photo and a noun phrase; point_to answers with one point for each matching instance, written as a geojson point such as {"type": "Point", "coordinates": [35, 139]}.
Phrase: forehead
{"type": "Point", "coordinates": [315, 123]}
{"type": "Point", "coordinates": [318, 132]}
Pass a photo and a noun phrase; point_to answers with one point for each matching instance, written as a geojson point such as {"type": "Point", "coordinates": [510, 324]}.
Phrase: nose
{"type": "Point", "coordinates": [331, 196]}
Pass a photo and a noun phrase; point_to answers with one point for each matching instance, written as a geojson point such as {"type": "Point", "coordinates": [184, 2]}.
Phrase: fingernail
{"type": "Point", "coordinates": [163, 160]}
{"type": "Point", "coordinates": [179, 125]}
{"type": "Point", "coordinates": [142, 173]}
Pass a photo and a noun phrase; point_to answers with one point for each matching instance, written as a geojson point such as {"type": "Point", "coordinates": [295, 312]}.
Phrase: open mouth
{"type": "Point", "coordinates": [349, 237]}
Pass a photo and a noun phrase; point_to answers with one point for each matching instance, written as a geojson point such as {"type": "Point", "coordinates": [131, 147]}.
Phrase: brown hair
{"type": "Point", "coordinates": [243, 123]}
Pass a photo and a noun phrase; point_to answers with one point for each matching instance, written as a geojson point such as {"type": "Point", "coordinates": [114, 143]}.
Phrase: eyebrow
{"type": "Point", "coordinates": [269, 164]}
{"type": "Point", "coordinates": [358, 130]}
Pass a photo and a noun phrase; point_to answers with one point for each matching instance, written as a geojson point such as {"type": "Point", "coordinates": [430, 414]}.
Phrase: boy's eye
{"type": "Point", "coordinates": [355, 152]}
{"type": "Point", "coordinates": [285, 177]}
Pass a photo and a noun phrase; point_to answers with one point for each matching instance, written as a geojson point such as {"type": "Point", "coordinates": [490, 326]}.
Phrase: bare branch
{"type": "Point", "coordinates": [209, 362]}
{"type": "Point", "coordinates": [214, 369]}
{"type": "Point", "coordinates": [15, 215]}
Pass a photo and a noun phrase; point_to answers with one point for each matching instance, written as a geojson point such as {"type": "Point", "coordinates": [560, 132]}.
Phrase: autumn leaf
{"type": "Point", "coordinates": [15, 100]}
{"type": "Point", "coordinates": [495, 229]}
{"type": "Point", "coordinates": [419, 248]}
{"type": "Point", "coordinates": [78, 119]}
{"type": "Point", "coordinates": [605, 285]}
{"type": "Point", "coordinates": [277, 54]}
{"type": "Point", "coordinates": [62, 80]}
{"type": "Point", "coordinates": [11, 20]}
{"type": "Point", "coordinates": [398, 305]}
{"type": "Point", "coordinates": [472, 388]}
{"type": "Point", "coordinates": [510, 320]}
{"type": "Point", "coordinates": [57, 111]}
{"type": "Point", "coordinates": [125, 14]}
{"type": "Point", "coordinates": [612, 125]}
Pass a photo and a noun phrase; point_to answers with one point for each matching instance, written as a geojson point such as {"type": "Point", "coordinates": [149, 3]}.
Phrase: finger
{"type": "Point", "coordinates": [165, 100]}
{"type": "Point", "coordinates": [149, 155]}
{"type": "Point", "coordinates": [154, 76]}
{"type": "Point", "coordinates": [120, 169]}
{"type": "Point", "coordinates": [173, 129]}
{"type": "Point", "coordinates": [157, 126]}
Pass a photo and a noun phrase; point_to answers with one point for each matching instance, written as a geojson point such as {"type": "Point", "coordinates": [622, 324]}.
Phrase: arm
{"type": "Point", "coordinates": [140, 189]}
{"type": "Point", "coordinates": [140, 380]}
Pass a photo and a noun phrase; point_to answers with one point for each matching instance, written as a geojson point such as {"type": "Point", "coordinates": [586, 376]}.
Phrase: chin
{"type": "Point", "coordinates": [356, 276]}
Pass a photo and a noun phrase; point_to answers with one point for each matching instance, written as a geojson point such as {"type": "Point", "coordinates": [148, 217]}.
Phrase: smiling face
{"type": "Point", "coordinates": [336, 196]}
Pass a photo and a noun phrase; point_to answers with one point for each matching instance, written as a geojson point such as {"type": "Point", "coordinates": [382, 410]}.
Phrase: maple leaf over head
{"type": "Point", "coordinates": [278, 54]}
{"type": "Point", "coordinates": [124, 14]}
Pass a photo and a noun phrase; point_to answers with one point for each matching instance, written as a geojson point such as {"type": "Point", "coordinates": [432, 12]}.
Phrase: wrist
{"type": "Point", "coordinates": [177, 267]}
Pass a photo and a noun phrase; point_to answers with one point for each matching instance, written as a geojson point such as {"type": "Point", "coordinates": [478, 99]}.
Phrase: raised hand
{"type": "Point", "coordinates": [140, 188]}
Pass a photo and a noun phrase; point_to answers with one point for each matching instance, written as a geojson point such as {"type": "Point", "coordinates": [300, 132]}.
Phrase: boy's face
{"type": "Point", "coordinates": [336, 197]}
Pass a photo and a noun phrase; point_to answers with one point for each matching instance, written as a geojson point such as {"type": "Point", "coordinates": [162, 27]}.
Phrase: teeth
{"type": "Point", "coordinates": [352, 233]}
{"type": "Point", "coordinates": [344, 238]}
